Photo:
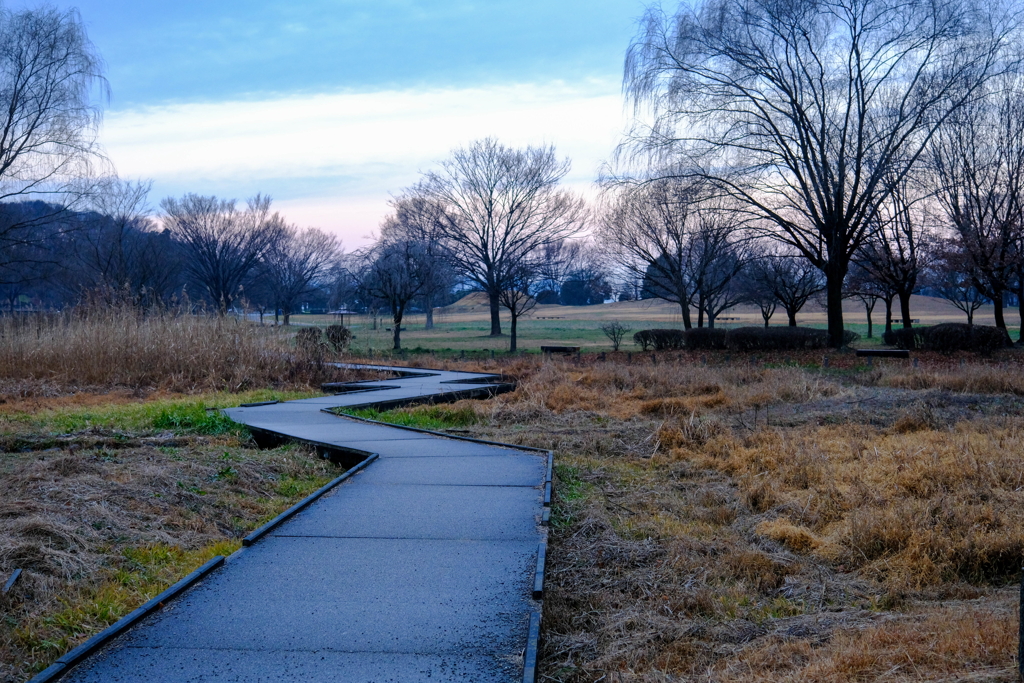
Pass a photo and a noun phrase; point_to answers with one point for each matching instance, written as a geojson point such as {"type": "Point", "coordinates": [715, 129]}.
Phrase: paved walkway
{"type": "Point", "coordinates": [418, 568]}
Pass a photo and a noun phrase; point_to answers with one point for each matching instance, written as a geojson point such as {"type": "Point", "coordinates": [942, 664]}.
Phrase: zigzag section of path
{"type": "Point", "coordinates": [420, 567]}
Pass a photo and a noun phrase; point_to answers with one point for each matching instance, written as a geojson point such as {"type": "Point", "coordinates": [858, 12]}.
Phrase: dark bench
{"type": "Point", "coordinates": [567, 350]}
{"type": "Point", "coordinates": [883, 353]}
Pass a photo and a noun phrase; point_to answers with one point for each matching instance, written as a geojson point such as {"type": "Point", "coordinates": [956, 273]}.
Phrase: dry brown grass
{"type": "Point", "coordinates": [105, 346]}
{"type": "Point", "coordinates": [736, 522]}
{"type": "Point", "coordinates": [103, 522]}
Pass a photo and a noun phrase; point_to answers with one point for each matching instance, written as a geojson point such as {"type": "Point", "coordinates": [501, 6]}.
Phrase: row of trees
{"type": "Point", "coordinates": [847, 147]}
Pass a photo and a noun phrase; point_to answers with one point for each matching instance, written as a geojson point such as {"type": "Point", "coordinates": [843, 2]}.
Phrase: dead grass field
{"type": "Point", "coordinates": [718, 517]}
{"type": "Point", "coordinates": [103, 518]}
{"type": "Point", "coordinates": [96, 348]}
{"type": "Point", "coordinates": [773, 521]}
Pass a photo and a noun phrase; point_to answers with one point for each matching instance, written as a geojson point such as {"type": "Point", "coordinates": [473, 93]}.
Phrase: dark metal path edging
{"type": "Point", "coordinates": [61, 666]}
{"type": "Point", "coordinates": [530, 654]}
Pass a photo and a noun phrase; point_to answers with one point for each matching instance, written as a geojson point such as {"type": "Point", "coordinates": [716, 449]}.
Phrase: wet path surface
{"type": "Point", "coordinates": [419, 567]}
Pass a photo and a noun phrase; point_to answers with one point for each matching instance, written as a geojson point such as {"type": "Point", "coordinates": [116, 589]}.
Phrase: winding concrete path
{"type": "Point", "coordinates": [420, 567]}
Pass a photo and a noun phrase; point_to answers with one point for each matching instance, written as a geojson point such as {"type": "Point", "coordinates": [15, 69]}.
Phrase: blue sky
{"type": "Point", "coordinates": [330, 106]}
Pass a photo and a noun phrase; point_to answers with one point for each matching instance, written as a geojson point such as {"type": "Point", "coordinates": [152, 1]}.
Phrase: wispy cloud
{"type": "Point", "coordinates": [333, 160]}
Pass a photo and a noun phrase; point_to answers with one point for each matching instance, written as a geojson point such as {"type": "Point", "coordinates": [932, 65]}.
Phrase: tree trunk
{"type": "Point", "coordinates": [700, 316]}
{"type": "Point", "coordinates": [711, 321]}
{"type": "Point", "coordinates": [1020, 309]}
{"type": "Point", "coordinates": [767, 316]}
{"type": "Point", "coordinates": [686, 315]}
{"type": "Point", "coordinates": [834, 276]}
{"type": "Point", "coordinates": [397, 335]}
{"type": "Point", "coordinates": [512, 331]}
{"type": "Point", "coordinates": [997, 303]}
{"type": "Point", "coordinates": [905, 308]}
{"type": "Point", "coordinates": [867, 309]}
{"type": "Point", "coordinates": [430, 313]}
{"type": "Point", "coordinates": [791, 313]}
{"type": "Point", "coordinates": [495, 318]}
{"type": "Point", "coordinates": [287, 316]}
{"type": "Point", "coordinates": [277, 312]}
{"type": "Point", "coordinates": [888, 315]}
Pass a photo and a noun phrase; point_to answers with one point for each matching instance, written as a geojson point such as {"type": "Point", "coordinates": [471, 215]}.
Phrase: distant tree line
{"type": "Point", "coordinates": [815, 150]}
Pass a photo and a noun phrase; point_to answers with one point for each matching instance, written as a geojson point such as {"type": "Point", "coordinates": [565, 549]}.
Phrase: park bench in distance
{"type": "Point", "coordinates": [883, 353]}
{"type": "Point", "coordinates": [566, 350]}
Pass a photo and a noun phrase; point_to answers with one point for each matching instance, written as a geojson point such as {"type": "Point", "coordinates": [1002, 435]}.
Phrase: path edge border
{"type": "Point", "coordinates": [262, 531]}
{"type": "Point", "coordinates": [67, 661]}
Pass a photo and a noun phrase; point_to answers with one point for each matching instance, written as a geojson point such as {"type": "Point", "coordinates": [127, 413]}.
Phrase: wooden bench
{"type": "Point", "coordinates": [883, 353]}
{"type": "Point", "coordinates": [566, 350]}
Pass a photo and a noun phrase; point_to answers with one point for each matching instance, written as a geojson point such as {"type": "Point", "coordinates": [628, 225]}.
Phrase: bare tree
{"type": "Point", "coordinates": [978, 163]}
{"type": "Point", "coordinates": [295, 264]}
{"type": "Point", "coordinates": [395, 272]}
{"type": "Point", "coordinates": [222, 244]}
{"type": "Point", "coordinates": [516, 297]}
{"type": "Point", "coordinates": [897, 250]}
{"type": "Point", "coordinates": [421, 219]}
{"type": "Point", "coordinates": [615, 331]}
{"type": "Point", "coordinates": [500, 205]}
{"type": "Point", "coordinates": [865, 288]}
{"type": "Point", "coordinates": [647, 229]}
{"type": "Point", "coordinates": [716, 259]}
{"type": "Point", "coordinates": [790, 280]}
{"type": "Point", "coordinates": [952, 279]}
{"type": "Point", "coordinates": [804, 109]}
{"type": "Point", "coordinates": [118, 250]}
{"type": "Point", "coordinates": [48, 122]}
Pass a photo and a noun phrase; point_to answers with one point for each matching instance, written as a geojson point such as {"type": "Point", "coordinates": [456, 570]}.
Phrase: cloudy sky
{"type": "Point", "coordinates": [330, 106]}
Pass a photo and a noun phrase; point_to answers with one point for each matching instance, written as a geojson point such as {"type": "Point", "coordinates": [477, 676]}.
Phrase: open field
{"type": "Point", "coordinates": [717, 517]}
{"type": "Point", "coordinates": [729, 522]}
{"type": "Point", "coordinates": [465, 325]}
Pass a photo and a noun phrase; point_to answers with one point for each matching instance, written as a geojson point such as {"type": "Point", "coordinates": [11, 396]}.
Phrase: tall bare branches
{"type": "Point", "coordinates": [49, 73]}
{"type": "Point", "coordinates": [978, 163]}
{"type": "Point", "coordinates": [222, 244]}
{"type": "Point", "coordinates": [500, 205]}
{"type": "Point", "coordinates": [803, 109]}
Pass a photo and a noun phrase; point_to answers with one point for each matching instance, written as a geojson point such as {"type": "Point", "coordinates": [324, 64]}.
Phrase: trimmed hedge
{"type": "Point", "coordinates": [776, 338]}
{"type": "Point", "coordinates": [950, 337]}
{"type": "Point", "coordinates": [705, 338]}
{"type": "Point", "coordinates": [660, 340]}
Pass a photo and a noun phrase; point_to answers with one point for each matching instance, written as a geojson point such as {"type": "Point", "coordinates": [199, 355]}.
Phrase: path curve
{"type": "Point", "coordinates": [422, 566]}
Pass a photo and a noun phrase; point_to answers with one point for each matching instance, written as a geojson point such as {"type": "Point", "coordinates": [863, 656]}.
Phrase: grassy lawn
{"type": "Point", "coordinates": [465, 325]}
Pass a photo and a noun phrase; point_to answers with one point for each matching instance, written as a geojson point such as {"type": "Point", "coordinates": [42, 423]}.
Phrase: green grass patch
{"type": "Point", "coordinates": [186, 415]}
{"type": "Point", "coordinates": [423, 417]}
{"type": "Point", "coordinates": [143, 572]}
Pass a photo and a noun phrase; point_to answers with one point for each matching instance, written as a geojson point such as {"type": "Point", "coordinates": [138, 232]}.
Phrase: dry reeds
{"type": "Point", "coordinates": [122, 345]}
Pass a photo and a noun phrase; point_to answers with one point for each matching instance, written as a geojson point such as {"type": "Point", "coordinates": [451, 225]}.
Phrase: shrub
{"type": "Point", "coordinates": [338, 337]}
{"type": "Point", "coordinates": [705, 338]}
{"type": "Point", "coordinates": [776, 338]}
{"type": "Point", "coordinates": [951, 337]}
{"type": "Point", "coordinates": [311, 340]}
{"type": "Point", "coordinates": [849, 336]}
{"type": "Point", "coordinates": [660, 340]}
{"type": "Point", "coordinates": [905, 337]}
{"type": "Point", "coordinates": [643, 339]}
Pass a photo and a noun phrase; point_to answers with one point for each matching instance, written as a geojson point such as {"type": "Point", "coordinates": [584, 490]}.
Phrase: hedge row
{"type": "Point", "coordinates": [740, 339]}
{"type": "Point", "coordinates": [949, 337]}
